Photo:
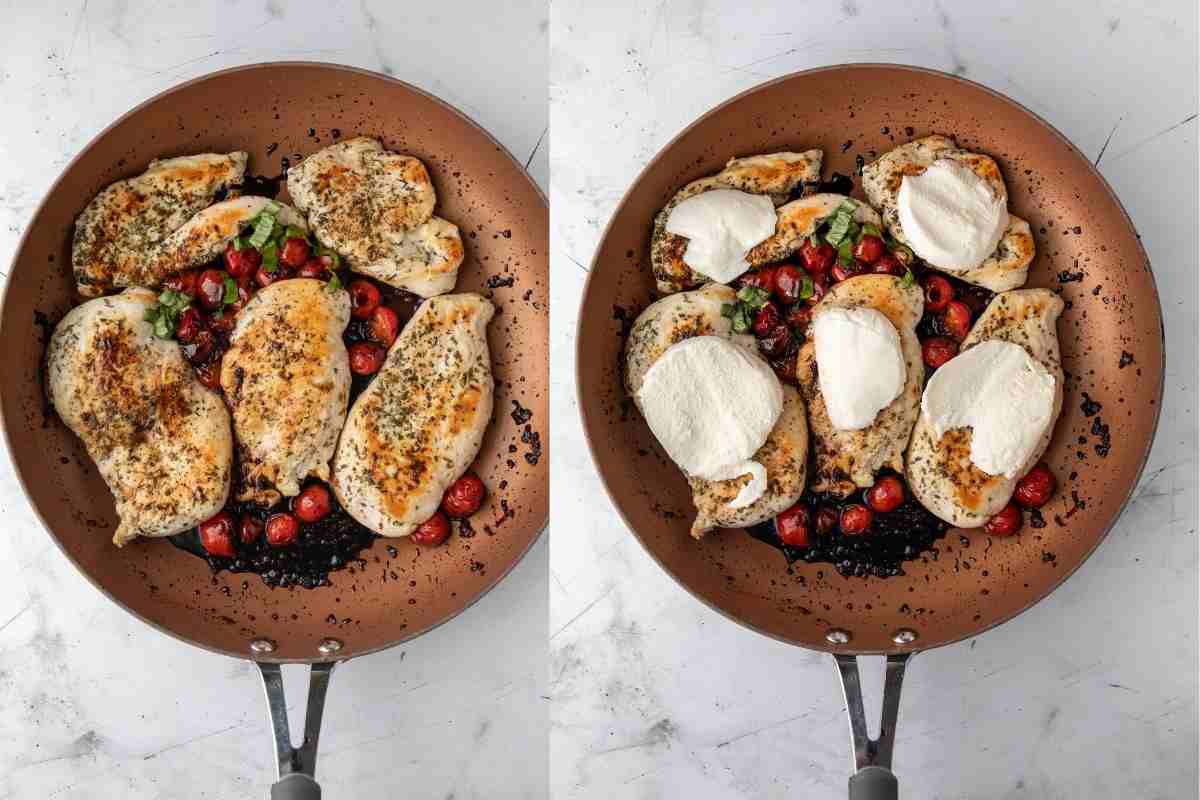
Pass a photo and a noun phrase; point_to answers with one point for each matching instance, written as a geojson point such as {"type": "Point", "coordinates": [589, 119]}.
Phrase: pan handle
{"type": "Point", "coordinates": [296, 765]}
{"type": "Point", "coordinates": [873, 778]}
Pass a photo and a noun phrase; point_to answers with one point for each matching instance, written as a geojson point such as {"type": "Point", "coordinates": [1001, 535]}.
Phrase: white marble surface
{"type": "Point", "coordinates": [92, 703]}
{"type": "Point", "coordinates": [1090, 694]}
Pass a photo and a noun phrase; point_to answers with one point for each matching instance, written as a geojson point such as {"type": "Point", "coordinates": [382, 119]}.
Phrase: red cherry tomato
{"type": "Point", "coordinates": [384, 326]}
{"type": "Point", "coordinates": [778, 342]}
{"type": "Point", "coordinates": [464, 497]}
{"type": "Point", "coordinates": [869, 249]}
{"type": "Point", "coordinates": [210, 288]}
{"type": "Point", "coordinates": [886, 495]}
{"type": "Point", "coordinates": [216, 534]}
{"type": "Point", "coordinates": [787, 283]}
{"type": "Point", "coordinates": [840, 273]}
{"type": "Point", "coordinates": [183, 282]}
{"type": "Point", "coordinates": [766, 319]}
{"type": "Point", "coordinates": [937, 350]}
{"type": "Point", "coordinates": [265, 279]}
{"type": "Point", "coordinates": [249, 528]}
{"type": "Point", "coordinates": [888, 264]}
{"type": "Point", "coordinates": [201, 346]}
{"type": "Point", "coordinates": [209, 374]}
{"type": "Point", "coordinates": [820, 287]}
{"type": "Point", "coordinates": [855, 518]}
{"type": "Point", "coordinates": [793, 526]}
{"type": "Point", "coordinates": [762, 278]}
{"type": "Point", "coordinates": [1006, 523]}
{"type": "Point", "coordinates": [957, 319]}
{"type": "Point", "coordinates": [313, 504]}
{"type": "Point", "coordinates": [313, 268]}
{"type": "Point", "coordinates": [938, 293]}
{"type": "Point", "coordinates": [240, 263]}
{"type": "Point", "coordinates": [432, 531]}
{"type": "Point", "coordinates": [366, 358]}
{"type": "Point", "coordinates": [294, 252]}
{"type": "Point", "coordinates": [827, 520]}
{"type": "Point", "coordinates": [1036, 488]}
{"type": "Point", "coordinates": [798, 317]}
{"type": "Point", "coordinates": [364, 298]}
{"type": "Point", "coordinates": [190, 324]}
{"type": "Point", "coordinates": [282, 529]}
{"type": "Point", "coordinates": [817, 259]}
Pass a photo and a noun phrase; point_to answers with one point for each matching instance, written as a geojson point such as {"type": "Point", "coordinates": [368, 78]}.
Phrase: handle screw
{"type": "Point", "coordinates": [904, 636]}
{"type": "Point", "coordinates": [329, 646]}
{"type": "Point", "coordinates": [837, 636]}
{"type": "Point", "coordinates": [261, 646]}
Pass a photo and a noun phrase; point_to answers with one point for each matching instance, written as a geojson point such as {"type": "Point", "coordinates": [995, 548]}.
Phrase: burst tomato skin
{"type": "Point", "coordinates": [869, 249]}
{"type": "Point", "coordinates": [840, 273]}
{"type": "Point", "coordinates": [957, 319]}
{"type": "Point", "coordinates": [793, 526]}
{"type": "Point", "coordinates": [1036, 488]}
{"type": "Point", "coordinates": [888, 264]}
{"type": "Point", "coordinates": [313, 268]}
{"type": "Point", "coordinates": [761, 279]}
{"type": "Point", "coordinates": [766, 319]}
{"type": "Point", "coordinates": [364, 299]}
{"type": "Point", "coordinates": [855, 519]}
{"type": "Point", "coordinates": [282, 529]}
{"type": "Point", "coordinates": [938, 293]}
{"type": "Point", "coordinates": [294, 253]}
{"type": "Point", "coordinates": [464, 497]}
{"type": "Point", "coordinates": [827, 520]}
{"type": "Point", "coordinates": [189, 326]}
{"type": "Point", "coordinates": [937, 350]}
{"type": "Point", "coordinates": [240, 263]}
{"type": "Point", "coordinates": [817, 259]}
{"type": "Point", "coordinates": [184, 282]}
{"type": "Point", "coordinates": [249, 529]}
{"type": "Point", "coordinates": [384, 326]}
{"type": "Point", "coordinates": [433, 531]}
{"type": "Point", "coordinates": [787, 284]}
{"type": "Point", "coordinates": [216, 534]}
{"type": "Point", "coordinates": [1006, 523]}
{"type": "Point", "coordinates": [210, 289]}
{"type": "Point", "coordinates": [366, 358]}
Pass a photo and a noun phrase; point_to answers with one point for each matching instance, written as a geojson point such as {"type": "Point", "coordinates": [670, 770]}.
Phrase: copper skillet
{"type": "Point", "coordinates": [1112, 345]}
{"type": "Point", "coordinates": [275, 112]}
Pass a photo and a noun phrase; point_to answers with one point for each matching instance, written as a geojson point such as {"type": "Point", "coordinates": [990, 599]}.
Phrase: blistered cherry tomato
{"type": "Point", "coordinates": [938, 293]}
{"type": "Point", "coordinates": [190, 323]}
{"type": "Point", "coordinates": [432, 531]}
{"type": "Point", "coordinates": [209, 374]}
{"type": "Point", "coordinates": [855, 518]}
{"type": "Point", "coordinates": [464, 497]}
{"type": "Point", "coordinates": [210, 288]}
{"type": "Point", "coordinates": [787, 283]}
{"type": "Point", "coordinates": [201, 346]}
{"type": "Point", "coordinates": [937, 350]}
{"type": "Point", "coordinates": [216, 534]}
{"type": "Point", "coordinates": [888, 264]}
{"type": "Point", "coordinates": [240, 263]}
{"type": "Point", "coordinates": [798, 317]}
{"type": "Point", "coordinates": [294, 252]}
{"type": "Point", "coordinates": [868, 249]}
{"type": "Point", "coordinates": [760, 278]}
{"type": "Point", "coordinates": [265, 279]}
{"type": "Point", "coordinates": [886, 495]}
{"type": "Point", "coordinates": [313, 504]}
{"type": "Point", "coordinates": [282, 529]}
{"type": "Point", "coordinates": [820, 287]}
{"type": "Point", "coordinates": [793, 526]}
{"type": "Point", "coordinates": [817, 259]}
{"type": "Point", "coordinates": [250, 528]}
{"type": "Point", "coordinates": [183, 282]}
{"type": "Point", "coordinates": [1006, 523]}
{"type": "Point", "coordinates": [827, 520]}
{"type": "Point", "coordinates": [384, 326]}
{"type": "Point", "coordinates": [364, 298]}
{"type": "Point", "coordinates": [366, 358]}
{"type": "Point", "coordinates": [840, 273]}
{"type": "Point", "coordinates": [957, 319]}
{"type": "Point", "coordinates": [777, 342]}
{"type": "Point", "coordinates": [313, 268]}
{"type": "Point", "coordinates": [766, 319]}
{"type": "Point", "coordinates": [1036, 488]}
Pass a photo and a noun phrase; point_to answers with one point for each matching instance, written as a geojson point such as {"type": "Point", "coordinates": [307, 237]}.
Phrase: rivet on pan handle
{"type": "Point", "coordinates": [873, 778]}
{"type": "Point", "coordinates": [296, 765]}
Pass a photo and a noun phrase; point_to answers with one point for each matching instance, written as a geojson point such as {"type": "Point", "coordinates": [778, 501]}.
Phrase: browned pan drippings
{"type": "Point", "coordinates": [1111, 338]}
{"type": "Point", "coordinates": [279, 113]}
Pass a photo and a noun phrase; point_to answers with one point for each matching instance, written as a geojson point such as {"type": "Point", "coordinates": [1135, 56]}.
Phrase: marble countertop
{"type": "Point", "coordinates": [1092, 693]}
{"type": "Point", "coordinates": [92, 702]}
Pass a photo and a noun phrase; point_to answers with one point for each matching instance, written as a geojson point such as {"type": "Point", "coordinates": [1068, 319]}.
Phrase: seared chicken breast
{"type": "Point", "coordinates": [160, 440]}
{"type": "Point", "coordinates": [420, 423]}
{"type": "Point", "coordinates": [784, 455]}
{"type": "Point", "coordinates": [375, 208]}
{"type": "Point", "coordinates": [776, 174]}
{"type": "Point", "coordinates": [286, 378]}
{"type": "Point", "coordinates": [130, 218]}
{"type": "Point", "coordinates": [940, 472]}
{"type": "Point", "coordinates": [799, 219]}
{"type": "Point", "coordinates": [846, 459]}
{"type": "Point", "coordinates": [1005, 269]}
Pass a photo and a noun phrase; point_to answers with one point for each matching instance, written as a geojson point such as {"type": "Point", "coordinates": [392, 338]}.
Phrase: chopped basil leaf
{"type": "Point", "coordinates": [231, 291]}
{"type": "Point", "coordinates": [741, 323]}
{"type": "Point", "coordinates": [264, 223]}
{"type": "Point", "coordinates": [335, 283]}
{"type": "Point", "coordinates": [727, 310]}
{"type": "Point", "coordinates": [839, 226]}
{"type": "Point", "coordinates": [164, 316]}
{"type": "Point", "coordinates": [854, 232]}
{"type": "Point", "coordinates": [909, 279]}
{"type": "Point", "coordinates": [806, 287]}
{"type": "Point", "coordinates": [151, 313]}
{"type": "Point", "coordinates": [845, 253]}
{"type": "Point", "coordinates": [847, 206]}
{"type": "Point", "coordinates": [273, 207]}
{"type": "Point", "coordinates": [903, 254]}
{"type": "Point", "coordinates": [239, 243]}
{"type": "Point", "coordinates": [162, 328]}
{"type": "Point", "coordinates": [335, 259]}
{"type": "Point", "coordinates": [292, 232]}
{"type": "Point", "coordinates": [870, 229]}
{"type": "Point", "coordinates": [270, 257]}
{"type": "Point", "coordinates": [753, 296]}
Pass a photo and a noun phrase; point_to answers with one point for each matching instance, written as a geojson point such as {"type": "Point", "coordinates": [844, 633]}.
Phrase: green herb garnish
{"type": "Point", "coordinates": [870, 229]}
{"type": "Point", "coordinates": [335, 259]}
{"type": "Point", "coordinates": [270, 256]}
{"type": "Point", "coordinates": [753, 297]}
{"type": "Point", "coordinates": [263, 225]}
{"type": "Point", "coordinates": [806, 287]}
{"type": "Point", "coordinates": [335, 283]}
{"type": "Point", "coordinates": [841, 223]}
{"type": "Point", "coordinates": [164, 316]}
{"type": "Point", "coordinates": [909, 279]}
{"type": "Point", "coordinates": [231, 292]}
{"type": "Point", "coordinates": [845, 252]}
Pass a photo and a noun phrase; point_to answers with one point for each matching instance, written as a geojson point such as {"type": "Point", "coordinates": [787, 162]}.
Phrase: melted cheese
{"type": "Point", "coordinates": [722, 226]}
{"type": "Point", "coordinates": [860, 366]}
{"type": "Point", "coordinates": [950, 216]}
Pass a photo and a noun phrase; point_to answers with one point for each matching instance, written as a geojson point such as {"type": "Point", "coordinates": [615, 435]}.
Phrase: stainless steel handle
{"type": "Point", "coordinates": [293, 762]}
{"type": "Point", "coordinates": [873, 779]}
